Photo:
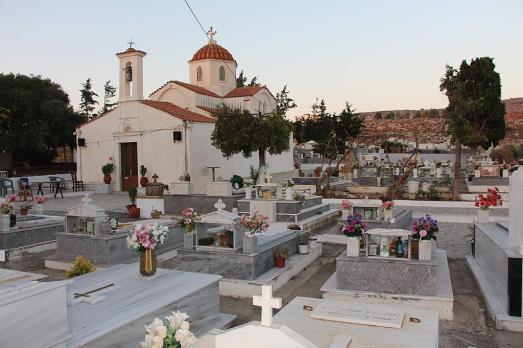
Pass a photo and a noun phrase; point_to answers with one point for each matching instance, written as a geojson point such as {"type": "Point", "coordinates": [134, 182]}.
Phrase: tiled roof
{"type": "Point", "coordinates": [243, 92]}
{"type": "Point", "coordinates": [205, 108]}
{"type": "Point", "coordinates": [194, 88]}
{"type": "Point", "coordinates": [130, 50]}
{"type": "Point", "coordinates": [212, 51]}
{"type": "Point", "coordinates": [178, 112]}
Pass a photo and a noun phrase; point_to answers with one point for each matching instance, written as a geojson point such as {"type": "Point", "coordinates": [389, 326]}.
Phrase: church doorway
{"type": "Point", "coordinates": [129, 165]}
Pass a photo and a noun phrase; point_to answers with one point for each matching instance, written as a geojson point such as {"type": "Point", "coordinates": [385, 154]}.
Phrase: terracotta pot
{"type": "Point", "coordinates": [134, 212]}
{"type": "Point", "coordinates": [24, 211]}
{"type": "Point", "coordinates": [107, 179]}
{"type": "Point", "coordinates": [147, 262]}
{"type": "Point", "coordinates": [144, 181]}
{"type": "Point", "coordinates": [279, 262]}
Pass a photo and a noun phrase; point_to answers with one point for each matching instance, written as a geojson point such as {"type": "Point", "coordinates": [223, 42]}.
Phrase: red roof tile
{"type": "Point", "coordinates": [178, 112]}
{"type": "Point", "coordinates": [205, 108]}
{"type": "Point", "coordinates": [212, 51]}
{"type": "Point", "coordinates": [243, 92]}
{"type": "Point", "coordinates": [197, 89]}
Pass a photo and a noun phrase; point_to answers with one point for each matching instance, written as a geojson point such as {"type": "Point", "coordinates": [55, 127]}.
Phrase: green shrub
{"type": "Point", "coordinates": [133, 192]}
{"type": "Point", "coordinates": [80, 267]}
{"type": "Point", "coordinates": [431, 195]}
{"type": "Point", "coordinates": [107, 168]}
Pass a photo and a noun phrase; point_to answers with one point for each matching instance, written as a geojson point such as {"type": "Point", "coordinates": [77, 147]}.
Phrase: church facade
{"type": "Point", "coordinates": [169, 133]}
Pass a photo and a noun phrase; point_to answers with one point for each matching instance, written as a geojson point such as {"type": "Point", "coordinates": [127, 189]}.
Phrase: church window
{"type": "Point", "coordinates": [199, 74]}
{"type": "Point", "coordinates": [222, 73]}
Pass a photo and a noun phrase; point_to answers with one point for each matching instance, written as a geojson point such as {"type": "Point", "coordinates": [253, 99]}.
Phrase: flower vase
{"type": "Point", "coordinates": [378, 180]}
{"type": "Point", "coordinates": [483, 216]}
{"type": "Point", "coordinates": [288, 194]}
{"type": "Point", "coordinates": [5, 223]}
{"type": "Point", "coordinates": [24, 212]}
{"type": "Point", "coordinates": [250, 244]}
{"type": "Point", "coordinates": [415, 173]}
{"type": "Point", "coordinates": [40, 208]}
{"type": "Point", "coordinates": [188, 240]}
{"type": "Point", "coordinates": [425, 250]}
{"type": "Point", "coordinates": [345, 213]}
{"type": "Point", "coordinates": [248, 192]}
{"type": "Point", "coordinates": [147, 262]}
{"type": "Point", "coordinates": [353, 246]}
{"type": "Point", "coordinates": [415, 249]}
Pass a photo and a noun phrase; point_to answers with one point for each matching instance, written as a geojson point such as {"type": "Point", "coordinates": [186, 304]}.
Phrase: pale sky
{"type": "Point", "coordinates": [378, 55]}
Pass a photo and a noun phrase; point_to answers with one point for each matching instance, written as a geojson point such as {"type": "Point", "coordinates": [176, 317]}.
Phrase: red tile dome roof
{"type": "Point", "coordinates": [212, 51]}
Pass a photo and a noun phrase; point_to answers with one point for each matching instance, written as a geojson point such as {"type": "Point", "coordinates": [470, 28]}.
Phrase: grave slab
{"type": "Point", "coordinates": [322, 332]}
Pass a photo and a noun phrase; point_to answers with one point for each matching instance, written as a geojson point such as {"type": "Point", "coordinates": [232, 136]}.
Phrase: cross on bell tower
{"type": "Point", "coordinates": [210, 35]}
{"type": "Point", "coordinates": [131, 43]}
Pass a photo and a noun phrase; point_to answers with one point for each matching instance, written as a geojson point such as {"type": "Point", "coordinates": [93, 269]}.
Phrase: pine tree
{"type": "Point", "coordinates": [87, 104]}
{"type": "Point", "coordinates": [109, 93]}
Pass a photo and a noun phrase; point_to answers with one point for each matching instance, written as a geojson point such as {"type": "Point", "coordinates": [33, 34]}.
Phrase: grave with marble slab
{"type": "Point", "coordinates": [33, 314]}
{"type": "Point", "coordinates": [316, 323]}
{"type": "Point", "coordinates": [371, 211]}
{"type": "Point", "coordinates": [88, 233]}
{"type": "Point", "coordinates": [380, 277]}
{"type": "Point", "coordinates": [31, 233]}
{"type": "Point", "coordinates": [497, 260]}
{"type": "Point", "coordinates": [107, 308]}
{"type": "Point", "coordinates": [221, 247]}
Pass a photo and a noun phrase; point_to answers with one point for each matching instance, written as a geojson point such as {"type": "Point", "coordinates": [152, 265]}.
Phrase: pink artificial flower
{"type": "Point", "coordinates": [11, 198]}
{"type": "Point", "coordinates": [423, 233]}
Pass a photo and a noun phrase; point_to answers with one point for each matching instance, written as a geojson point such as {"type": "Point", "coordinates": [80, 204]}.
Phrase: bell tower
{"type": "Point", "coordinates": [131, 74]}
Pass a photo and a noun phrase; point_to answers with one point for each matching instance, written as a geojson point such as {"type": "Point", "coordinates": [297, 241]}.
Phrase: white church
{"type": "Point", "coordinates": [169, 133]}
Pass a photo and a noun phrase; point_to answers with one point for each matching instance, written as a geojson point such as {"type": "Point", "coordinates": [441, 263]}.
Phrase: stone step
{"type": "Point", "coordinates": [303, 214]}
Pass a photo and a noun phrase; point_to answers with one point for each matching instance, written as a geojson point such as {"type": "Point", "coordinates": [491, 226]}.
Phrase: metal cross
{"type": "Point", "coordinates": [210, 35]}
{"type": "Point", "coordinates": [131, 43]}
{"type": "Point", "coordinates": [267, 303]}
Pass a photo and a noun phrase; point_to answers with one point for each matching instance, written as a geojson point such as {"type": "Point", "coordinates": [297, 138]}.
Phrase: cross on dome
{"type": "Point", "coordinates": [210, 35]}
{"type": "Point", "coordinates": [131, 43]}
{"type": "Point", "coordinates": [267, 303]}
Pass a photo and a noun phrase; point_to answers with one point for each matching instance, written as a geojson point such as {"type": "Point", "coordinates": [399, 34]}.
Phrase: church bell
{"type": "Point", "coordinates": [128, 74]}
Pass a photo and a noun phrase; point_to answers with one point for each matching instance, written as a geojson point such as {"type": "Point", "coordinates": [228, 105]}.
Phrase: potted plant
{"type": "Point", "coordinates": [236, 182]}
{"type": "Point", "coordinates": [354, 229]}
{"type": "Point", "coordinates": [298, 196]}
{"type": "Point", "coordinates": [280, 257]}
{"type": "Point", "coordinates": [24, 208]}
{"type": "Point", "coordinates": [143, 179]}
{"type": "Point", "coordinates": [248, 186]}
{"type": "Point", "coordinates": [173, 333]}
{"type": "Point", "coordinates": [81, 265]}
{"type": "Point", "coordinates": [188, 221]}
{"type": "Point", "coordinates": [485, 202]}
{"type": "Point", "coordinates": [134, 211]}
{"type": "Point", "coordinates": [423, 232]}
{"type": "Point", "coordinates": [107, 169]}
{"type": "Point", "coordinates": [255, 225]}
{"type": "Point", "coordinates": [388, 207]}
{"type": "Point", "coordinates": [346, 209]}
{"type": "Point", "coordinates": [145, 240]}
{"type": "Point", "coordinates": [155, 214]}
{"type": "Point", "coordinates": [289, 191]}
{"type": "Point", "coordinates": [303, 238]}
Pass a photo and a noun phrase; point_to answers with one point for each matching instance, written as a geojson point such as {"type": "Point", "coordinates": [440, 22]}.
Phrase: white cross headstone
{"type": "Point", "coordinates": [219, 205]}
{"type": "Point", "coordinates": [86, 199]}
{"type": "Point", "coordinates": [267, 303]}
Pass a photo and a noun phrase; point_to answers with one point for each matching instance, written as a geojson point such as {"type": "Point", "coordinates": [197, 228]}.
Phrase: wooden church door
{"type": "Point", "coordinates": [129, 165]}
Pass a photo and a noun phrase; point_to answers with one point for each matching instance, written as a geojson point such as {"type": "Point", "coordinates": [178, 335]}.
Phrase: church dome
{"type": "Point", "coordinates": [212, 51]}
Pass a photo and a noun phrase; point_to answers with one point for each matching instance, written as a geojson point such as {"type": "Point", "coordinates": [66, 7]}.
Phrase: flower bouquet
{"type": "Point", "coordinates": [388, 206]}
{"type": "Point", "coordinates": [346, 209]}
{"type": "Point", "coordinates": [25, 207]}
{"type": "Point", "coordinates": [187, 220]}
{"type": "Point", "coordinates": [173, 334]}
{"type": "Point", "coordinates": [145, 239]}
{"type": "Point", "coordinates": [423, 232]}
{"type": "Point", "coordinates": [355, 227]}
{"type": "Point", "coordinates": [40, 199]}
{"type": "Point", "coordinates": [491, 199]}
{"type": "Point", "coordinates": [288, 183]}
{"type": "Point", "coordinates": [6, 207]}
{"type": "Point", "coordinates": [254, 224]}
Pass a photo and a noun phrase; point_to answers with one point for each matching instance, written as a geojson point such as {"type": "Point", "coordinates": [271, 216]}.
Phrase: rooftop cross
{"type": "Point", "coordinates": [130, 43]}
{"type": "Point", "coordinates": [267, 303]}
{"type": "Point", "coordinates": [210, 35]}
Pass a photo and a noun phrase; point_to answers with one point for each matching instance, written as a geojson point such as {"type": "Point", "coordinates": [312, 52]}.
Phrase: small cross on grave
{"type": "Point", "coordinates": [86, 199]}
{"type": "Point", "coordinates": [155, 177]}
{"type": "Point", "coordinates": [219, 205]}
{"type": "Point", "coordinates": [267, 303]}
{"type": "Point", "coordinates": [268, 178]}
